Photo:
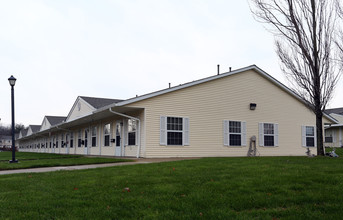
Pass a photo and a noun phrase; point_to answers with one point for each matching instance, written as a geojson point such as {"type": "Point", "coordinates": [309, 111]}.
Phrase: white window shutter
{"type": "Point", "coordinates": [333, 137]}
{"type": "Point", "coordinates": [315, 135]}
{"type": "Point", "coordinates": [261, 137]}
{"type": "Point", "coordinates": [303, 135]}
{"type": "Point", "coordinates": [226, 133]}
{"type": "Point", "coordinates": [276, 134]}
{"type": "Point", "coordinates": [244, 133]}
{"type": "Point", "coordinates": [163, 130]}
{"type": "Point", "coordinates": [185, 131]}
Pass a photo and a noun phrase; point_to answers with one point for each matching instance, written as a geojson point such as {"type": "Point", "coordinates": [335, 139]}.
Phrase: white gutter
{"type": "Point", "coordinates": [139, 128]}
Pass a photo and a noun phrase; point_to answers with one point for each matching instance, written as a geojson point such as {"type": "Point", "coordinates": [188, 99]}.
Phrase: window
{"type": "Point", "coordinates": [131, 131]}
{"type": "Point", "coordinates": [107, 130]}
{"type": "Point", "coordinates": [93, 136]}
{"type": "Point", "coordinates": [174, 131]}
{"type": "Point", "coordinates": [308, 134]}
{"type": "Point", "coordinates": [56, 141]}
{"type": "Point", "coordinates": [79, 137]}
{"type": "Point", "coordinates": [67, 140]}
{"type": "Point", "coordinates": [268, 134]}
{"type": "Point", "coordinates": [62, 141]}
{"type": "Point", "coordinates": [71, 139]}
{"type": "Point", "coordinates": [234, 133]}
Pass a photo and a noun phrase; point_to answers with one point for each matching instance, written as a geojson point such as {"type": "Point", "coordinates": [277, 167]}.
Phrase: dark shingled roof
{"type": "Point", "coordinates": [335, 111]}
{"type": "Point", "coordinates": [99, 102]}
{"type": "Point", "coordinates": [54, 120]}
{"type": "Point", "coordinates": [34, 128]}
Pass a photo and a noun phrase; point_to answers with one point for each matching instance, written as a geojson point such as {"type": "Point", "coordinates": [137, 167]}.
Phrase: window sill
{"type": "Point", "coordinates": [269, 146]}
{"type": "Point", "coordinates": [234, 146]}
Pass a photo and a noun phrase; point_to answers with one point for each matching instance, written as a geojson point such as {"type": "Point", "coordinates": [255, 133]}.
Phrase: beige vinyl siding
{"type": "Point", "coordinates": [208, 104]}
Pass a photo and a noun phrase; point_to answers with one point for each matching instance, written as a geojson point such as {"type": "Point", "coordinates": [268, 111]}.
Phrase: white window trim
{"type": "Point", "coordinates": [70, 139]}
{"type": "Point", "coordinates": [164, 131]}
{"type": "Point", "coordinates": [227, 133]}
{"type": "Point", "coordinates": [94, 135]}
{"type": "Point", "coordinates": [128, 132]}
{"type": "Point", "coordinates": [304, 136]}
{"type": "Point", "coordinates": [261, 134]}
{"type": "Point", "coordinates": [104, 135]}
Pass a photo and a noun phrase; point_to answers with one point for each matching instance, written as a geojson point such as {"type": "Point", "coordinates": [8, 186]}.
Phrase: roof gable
{"type": "Point", "coordinates": [211, 78]}
{"type": "Point", "coordinates": [84, 106]}
{"type": "Point", "coordinates": [33, 129]}
{"type": "Point", "coordinates": [23, 132]}
{"type": "Point", "coordinates": [49, 121]}
{"type": "Point", "coordinates": [80, 108]}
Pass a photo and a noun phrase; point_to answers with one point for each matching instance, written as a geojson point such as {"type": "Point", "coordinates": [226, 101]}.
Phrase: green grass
{"type": "Point", "coordinates": [7, 155]}
{"type": "Point", "coordinates": [34, 160]}
{"type": "Point", "coordinates": [210, 188]}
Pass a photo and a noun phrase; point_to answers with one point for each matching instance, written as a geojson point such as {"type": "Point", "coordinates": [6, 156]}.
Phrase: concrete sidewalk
{"type": "Point", "coordinates": [91, 166]}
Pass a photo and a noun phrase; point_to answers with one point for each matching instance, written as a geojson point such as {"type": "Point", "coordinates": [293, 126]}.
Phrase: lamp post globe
{"type": "Point", "coordinates": [12, 80]}
{"type": "Point", "coordinates": [12, 83]}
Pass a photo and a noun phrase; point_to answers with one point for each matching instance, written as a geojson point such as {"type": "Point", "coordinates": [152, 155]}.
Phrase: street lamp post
{"type": "Point", "coordinates": [12, 83]}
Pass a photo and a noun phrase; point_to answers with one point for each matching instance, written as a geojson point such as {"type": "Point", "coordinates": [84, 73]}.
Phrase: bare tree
{"type": "Point", "coordinates": [306, 38]}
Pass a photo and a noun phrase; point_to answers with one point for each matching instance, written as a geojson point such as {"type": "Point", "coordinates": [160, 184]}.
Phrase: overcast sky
{"type": "Point", "coordinates": [61, 49]}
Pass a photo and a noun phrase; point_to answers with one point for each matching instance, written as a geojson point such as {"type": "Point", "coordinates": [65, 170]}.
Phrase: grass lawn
{"type": "Point", "coordinates": [34, 160]}
{"type": "Point", "coordinates": [209, 188]}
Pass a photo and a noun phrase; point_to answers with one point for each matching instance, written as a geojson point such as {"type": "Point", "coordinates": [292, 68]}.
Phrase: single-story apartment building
{"type": "Point", "coordinates": [243, 112]}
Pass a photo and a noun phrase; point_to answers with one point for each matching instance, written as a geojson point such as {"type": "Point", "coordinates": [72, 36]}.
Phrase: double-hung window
{"type": "Point", "coordinates": [107, 134]}
{"type": "Point", "coordinates": [308, 136]}
{"type": "Point", "coordinates": [268, 134]}
{"type": "Point", "coordinates": [94, 136]}
{"type": "Point", "coordinates": [131, 131]}
{"type": "Point", "coordinates": [56, 141]}
{"type": "Point", "coordinates": [174, 131]}
{"type": "Point", "coordinates": [71, 139]}
{"type": "Point", "coordinates": [62, 140]}
{"type": "Point", "coordinates": [79, 138]}
{"type": "Point", "coordinates": [234, 133]}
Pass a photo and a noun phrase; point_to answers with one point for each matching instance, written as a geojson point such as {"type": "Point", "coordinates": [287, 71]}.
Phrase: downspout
{"type": "Point", "coordinates": [139, 128]}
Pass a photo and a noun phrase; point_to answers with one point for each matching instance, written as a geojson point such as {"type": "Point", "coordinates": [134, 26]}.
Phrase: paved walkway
{"type": "Point", "coordinates": [91, 166]}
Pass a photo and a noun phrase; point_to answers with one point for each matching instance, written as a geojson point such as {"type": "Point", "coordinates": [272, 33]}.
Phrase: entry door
{"type": "Point", "coordinates": [118, 139]}
{"type": "Point", "coordinates": [86, 140]}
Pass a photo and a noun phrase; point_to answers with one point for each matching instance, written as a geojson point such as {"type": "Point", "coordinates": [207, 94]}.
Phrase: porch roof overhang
{"type": "Point", "coordinates": [87, 119]}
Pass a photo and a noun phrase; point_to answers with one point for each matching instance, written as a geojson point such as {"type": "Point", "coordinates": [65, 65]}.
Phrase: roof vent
{"type": "Point", "coordinates": [230, 69]}
{"type": "Point", "coordinates": [218, 69]}
{"type": "Point", "coordinates": [169, 85]}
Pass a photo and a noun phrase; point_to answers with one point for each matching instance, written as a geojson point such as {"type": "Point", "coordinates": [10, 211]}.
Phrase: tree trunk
{"type": "Point", "coordinates": [319, 125]}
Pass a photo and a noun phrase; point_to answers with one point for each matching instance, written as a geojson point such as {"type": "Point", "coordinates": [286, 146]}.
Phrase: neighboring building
{"type": "Point", "coordinates": [222, 115]}
{"type": "Point", "coordinates": [6, 142]}
{"type": "Point", "coordinates": [334, 132]}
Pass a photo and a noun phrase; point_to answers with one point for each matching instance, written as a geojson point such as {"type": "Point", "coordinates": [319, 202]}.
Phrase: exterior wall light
{"type": "Point", "coordinates": [253, 106]}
